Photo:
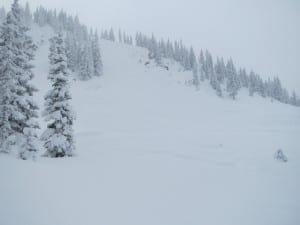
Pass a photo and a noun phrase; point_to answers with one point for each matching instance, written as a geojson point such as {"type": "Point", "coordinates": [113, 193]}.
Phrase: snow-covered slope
{"type": "Point", "coordinates": [152, 151]}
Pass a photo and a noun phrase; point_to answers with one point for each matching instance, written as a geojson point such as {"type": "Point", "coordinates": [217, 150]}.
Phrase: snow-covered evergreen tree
{"type": "Point", "coordinates": [294, 99]}
{"type": "Point", "coordinates": [58, 137]}
{"type": "Point", "coordinates": [220, 70]}
{"type": "Point", "coordinates": [29, 108]}
{"type": "Point", "coordinates": [86, 63]}
{"type": "Point", "coordinates": [169, 50]}
{"type": "Point", "coordinates": [120, 36]}
{"type": "Point", "coordinates": [105, 35]}
{"type": "Point", "coordinates": [277, 90]}
{"type": "Point", "coordinates": [111, 35]}
{"type": "Point", "coordinates": [72, 52]}
{"type": "Point", "coordinates": [252, 83]}
{"type": "Point", "coordinates": [215, 84]}
{"type": "Point", "coordinates": [202, 66]}
{"type": "Point", "coordinates": [211, 74]}
{"type": "Point", "coordinates": [194, 65]}
{"type": "Point", "coordinates": [260, 86]}
{"type": "Point", "coordinates": [154, 51]}
{"type": "Point", "coordinates": [209, 65]}
{"type": "Point", "coordinates": [8, 71]}
{"type": "Point", "coordinates": [98, 66]}
{"type": "Point", "coordinates": [192, 60]}
{"type": "Point", "coordinates": [27, 15]}
{"type": "Point", "coordinates": [7, 110]}
{"type": "Point", "coordinates": [17, 103]}
{"type": "Point", "coordinates": [196, 81]}
{"type": "Point", "coordinates": [232, 85]}
{"type": "Point", "coordinates": [244, 78]}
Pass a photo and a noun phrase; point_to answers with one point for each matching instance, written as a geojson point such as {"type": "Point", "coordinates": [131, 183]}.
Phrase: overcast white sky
{"type": "Point", "coordinates": [260, 34]}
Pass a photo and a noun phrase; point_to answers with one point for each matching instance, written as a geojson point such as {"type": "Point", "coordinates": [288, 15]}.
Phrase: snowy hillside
{"type": "Point", "coordinates": [151, 150]}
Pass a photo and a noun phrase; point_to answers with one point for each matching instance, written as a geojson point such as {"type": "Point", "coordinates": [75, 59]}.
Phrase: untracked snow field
{"type": "Point", "coordinates": [153, 151]}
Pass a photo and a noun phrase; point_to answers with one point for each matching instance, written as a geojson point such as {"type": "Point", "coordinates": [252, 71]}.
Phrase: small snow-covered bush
{"type": "Point", "coordinates": [280, 156]}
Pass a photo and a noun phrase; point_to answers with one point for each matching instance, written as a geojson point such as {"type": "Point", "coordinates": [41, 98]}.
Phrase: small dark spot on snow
{"type": "Point", "coordinates": [280, 156]}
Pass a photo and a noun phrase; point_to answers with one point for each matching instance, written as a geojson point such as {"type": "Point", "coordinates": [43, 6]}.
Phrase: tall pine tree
{"type": "Point", "coordinates": [232, 80]}
{"type": "Point", "coordinates": [58, 137]}
{"type": "Point", "coordinates": [18, 110]}
{"type": "Point", "coordinates": [8, 71]}
{"type": "Point", "coordinates": [96, 55]}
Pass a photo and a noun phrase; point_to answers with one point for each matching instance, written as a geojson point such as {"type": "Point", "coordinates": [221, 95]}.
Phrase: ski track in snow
{"type": "Point", "coordinates": [153, 151]}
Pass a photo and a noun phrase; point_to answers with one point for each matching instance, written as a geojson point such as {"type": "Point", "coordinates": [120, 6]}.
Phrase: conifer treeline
{"type": "Point", "coordinates": [122, 36]}
{"type": "Point", "coordinates": [82, 45]}
{"type": "Point", "coordinates": [84, 57]}
{"type": "Point", "coordinates": [224, 77]}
